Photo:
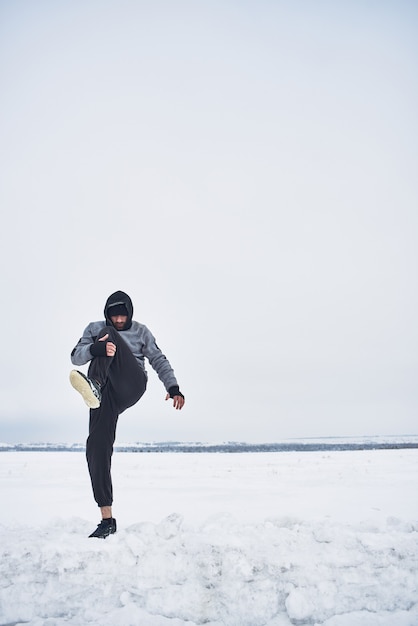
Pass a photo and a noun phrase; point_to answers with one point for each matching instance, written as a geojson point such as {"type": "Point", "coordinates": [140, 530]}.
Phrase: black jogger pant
{"type": "Point", "coordinates": [123, 383]}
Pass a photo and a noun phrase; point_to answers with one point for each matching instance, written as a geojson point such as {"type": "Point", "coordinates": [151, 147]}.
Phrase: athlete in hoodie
{"type": "Point", "coordinates": [116, 349]}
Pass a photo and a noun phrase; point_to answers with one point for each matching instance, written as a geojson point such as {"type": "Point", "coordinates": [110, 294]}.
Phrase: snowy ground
{"type": "Point", "coordinates": [276, 539]}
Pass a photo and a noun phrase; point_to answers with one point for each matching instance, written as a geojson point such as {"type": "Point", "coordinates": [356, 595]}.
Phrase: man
{"type": "Point", "coordinates": [115, 381]}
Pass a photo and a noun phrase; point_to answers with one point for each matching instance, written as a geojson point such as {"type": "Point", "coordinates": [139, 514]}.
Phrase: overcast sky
{"type": "Point", "coordinates": [247, 172]}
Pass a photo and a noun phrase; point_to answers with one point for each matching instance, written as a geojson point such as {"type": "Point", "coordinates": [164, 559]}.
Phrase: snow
{"type": "Point", "coordinates": [261, 539]}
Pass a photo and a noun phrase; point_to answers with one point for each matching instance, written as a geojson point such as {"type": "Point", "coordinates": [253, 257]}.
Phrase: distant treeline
{"type": "Point", "coordinates": [223, 447]}
{"type": "Point", "coordinates": [271, 447]}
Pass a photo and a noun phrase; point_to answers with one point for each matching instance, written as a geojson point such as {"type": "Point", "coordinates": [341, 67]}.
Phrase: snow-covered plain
{"type": "Point", "coordinates": [262, 539]}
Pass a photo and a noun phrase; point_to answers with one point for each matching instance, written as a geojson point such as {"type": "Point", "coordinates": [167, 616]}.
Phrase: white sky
{"type": "Point", "coordinates": [247, 172]}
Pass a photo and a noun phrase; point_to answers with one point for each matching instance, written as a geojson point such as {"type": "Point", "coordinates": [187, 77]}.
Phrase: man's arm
{"type": "Point", "coordinates": [82, 354]}
{"type": "Point", "coordinates": [161, 365]}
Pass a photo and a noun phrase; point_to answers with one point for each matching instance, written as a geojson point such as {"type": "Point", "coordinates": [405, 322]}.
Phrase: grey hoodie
{"type": "Point", "coordinates": [138, 337]}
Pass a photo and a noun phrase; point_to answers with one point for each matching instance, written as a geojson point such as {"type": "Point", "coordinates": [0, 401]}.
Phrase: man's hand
{"type": "Point", "coordinates": [110, 347]}
{"type": "Point", "coordinates": [178, 401]}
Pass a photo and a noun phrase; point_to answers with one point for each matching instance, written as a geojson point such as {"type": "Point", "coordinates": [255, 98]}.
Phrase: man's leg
{"type": "Point", "coordinates": [123, 383]}
{"type": "Point", "coordinates": [99, 450]}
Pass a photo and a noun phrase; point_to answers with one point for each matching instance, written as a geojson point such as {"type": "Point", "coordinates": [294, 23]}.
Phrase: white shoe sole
{"type": "Point", "coordinates": [81, 385]}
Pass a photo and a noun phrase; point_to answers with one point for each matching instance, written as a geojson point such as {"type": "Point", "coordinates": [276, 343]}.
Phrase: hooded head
{"type": "Point", "coordinates": [119, 303]}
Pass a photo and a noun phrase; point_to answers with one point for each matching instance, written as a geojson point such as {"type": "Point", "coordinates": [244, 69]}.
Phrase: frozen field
{"type": "Point", "coordinates": [264, 539]}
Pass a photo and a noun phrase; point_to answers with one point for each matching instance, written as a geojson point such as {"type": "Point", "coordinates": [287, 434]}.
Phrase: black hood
{"type": "Point", "coordinates": [119, 297]}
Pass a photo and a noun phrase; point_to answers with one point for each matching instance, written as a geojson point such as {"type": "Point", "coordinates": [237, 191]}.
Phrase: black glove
{"type": "Point", "coordinates": [98, 348]}
{"type": "Point", "coordinates": [175, 391]}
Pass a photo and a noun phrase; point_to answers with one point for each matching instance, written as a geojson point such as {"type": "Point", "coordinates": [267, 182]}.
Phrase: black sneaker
{"type": "Point", "coordinates": [89, 389]}
{"type": "Point", "coordinates": [105, 528]}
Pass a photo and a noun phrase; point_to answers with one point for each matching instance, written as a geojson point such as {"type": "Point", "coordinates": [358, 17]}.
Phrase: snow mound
{"type": "Point", "coordinates": [279, 572]}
